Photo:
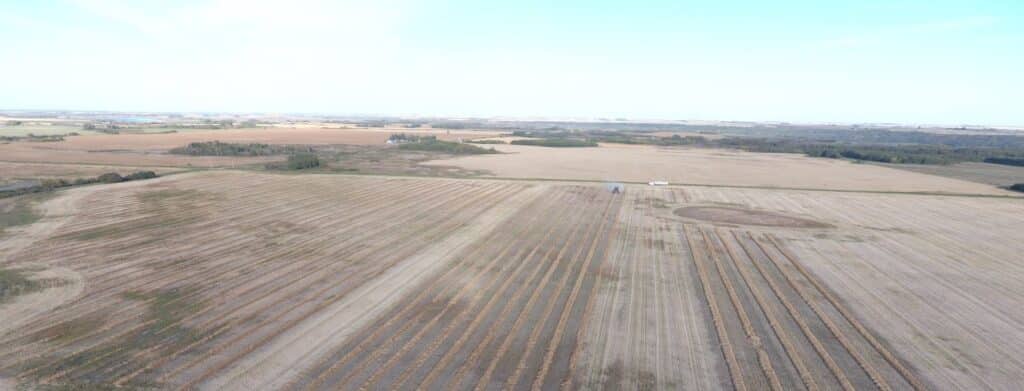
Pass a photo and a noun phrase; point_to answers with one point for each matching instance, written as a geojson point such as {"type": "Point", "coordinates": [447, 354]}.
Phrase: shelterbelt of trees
{"type": "Point", "coordinates": [217, 148]}
{"type": "Point", "coordinates": [53, 184]}
{"type": "Point", "coordinates": [432, 144]}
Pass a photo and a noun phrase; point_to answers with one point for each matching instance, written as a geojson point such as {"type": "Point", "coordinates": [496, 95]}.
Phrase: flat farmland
{"type": "Point", "coordinates": [937, 279]}
{"type": "Point", "coordinates": [61, 153]}
{"type": "Point", "coordinates": [992, 174]}
{"type": "Point", "coordinates": [150, 149]}
{"type": "Point", "coordinates": [272, 135]}
{"type": "Point", "coordinates": [707, 166]}
{"type": "Point", "coordinates": [695, 304]}
{"type": "Point", "coordinates": [185, 276]}
{"type": "Point", "coordinates": [505, 314]}
{"type": "Point", "coordinates": [240, 281]}
{"type": "Point", "coordinates": [39, 130]}
{"type": "Point", "coordinates": [15, 171]}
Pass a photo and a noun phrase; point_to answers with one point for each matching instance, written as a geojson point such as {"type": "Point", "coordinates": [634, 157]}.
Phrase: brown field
{"type": "Point", "coordinates": [641, 163]}
{"type": "Point", "coordinates": [744, 216]}
{"type": "Point", "coordinates": [150, 149]}
{"type": "Point", "coordinates": [164, 141]}
{"type": "Point", "coordinates": [14, 171]}
{"type": "Point", "coordinates": [936, 278]}
{"type": "Point", "coordinates": [61, 153]}
{"type": "Point", "coordinates": [992, 174]}
{"type": "Point", "coordinates": [693, 306]}
{"type": "Point", "coordinates": [340, 282]}
{"type": "Point", "coordinates": [178, 314]}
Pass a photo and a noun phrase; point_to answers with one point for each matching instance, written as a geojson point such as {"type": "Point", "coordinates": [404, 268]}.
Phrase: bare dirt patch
{"type": "Point", "coordinates": [743, 216]}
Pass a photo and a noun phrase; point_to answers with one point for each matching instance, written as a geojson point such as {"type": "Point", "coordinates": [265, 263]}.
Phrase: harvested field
{"type": "Point", "coordinates": [18, 211]}
{"type": "Point", "coordinates": [150, 149]}
{"type": "Point", "coordinates": [681, 165]}
{"type": "Point", "coordinates": [39, 130]}
{"type": "Point", "coordinates": [56, 152]}
{"type": "Point", "coordinates": [992, 174]}
{"type": "Point", "coordinates": [505, 313]}
{"type": "Point", "coordinates": [742, 216]}
{"type": "Point", "coordinates": [14, 171]}
{"type": "Point", "coordinates": [186, 275]}
{"type": "Point", "coordinates": [240, 281]}
{"type": "Point", "coordinates": [648, 326]}
{"type": "Point", "coordinates": [686, 306]}
{"type": "Point", "coordinates": [166, 141]}
{"type": "Point", "coordinates": [938, 279]}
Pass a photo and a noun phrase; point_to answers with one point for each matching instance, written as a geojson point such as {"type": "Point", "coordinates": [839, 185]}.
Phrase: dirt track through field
{"type": "Point", "coordinates": [671, 342]}
{"type": "Point", "coordinates": [276, 365]}
{"type": "Point", "coordinates": [441, 334]}
{"type": "Point", "coordinates": [413, 221]}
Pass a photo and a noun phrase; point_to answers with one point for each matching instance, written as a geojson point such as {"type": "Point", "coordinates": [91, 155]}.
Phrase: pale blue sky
{"type": "Point", "coordinates": [944, 62]}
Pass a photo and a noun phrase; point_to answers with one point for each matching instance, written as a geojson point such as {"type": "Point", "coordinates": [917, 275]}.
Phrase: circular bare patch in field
{"type": "Point", "coordinates": [743, 216]}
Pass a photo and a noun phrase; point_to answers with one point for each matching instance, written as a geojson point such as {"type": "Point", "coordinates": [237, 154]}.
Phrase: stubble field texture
{"type": "Point", "coordinates": [708, 166]}
{"type": "Point", "coordinates": [151, 149]}
{"type": "Point", "coordinates": [243, 280]}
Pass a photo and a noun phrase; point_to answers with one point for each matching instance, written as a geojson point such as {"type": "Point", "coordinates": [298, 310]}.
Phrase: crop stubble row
{"type": "Point", "coordinates": [503, 317]}
{"type": "Point", "coordinates": [753, 316]}
{"type": "Point", "coordinates": [375, 235]}
{"type": "Point", "coordinates": [764, 352]}
{"type": "Point", "coordinates": [936, 278]}
{"type": "Point", "coordinates": [536, 304]}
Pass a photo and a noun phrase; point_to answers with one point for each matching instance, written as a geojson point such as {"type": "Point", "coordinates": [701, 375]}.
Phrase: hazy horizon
{"type": "Point", "coordinates": [949, 63]}
{"type": "Point", "coordinates": [401, 116]}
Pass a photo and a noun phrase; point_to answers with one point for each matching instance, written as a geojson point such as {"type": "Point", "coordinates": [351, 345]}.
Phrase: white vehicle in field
{"type": "Point", "coordinates": [658, 183]}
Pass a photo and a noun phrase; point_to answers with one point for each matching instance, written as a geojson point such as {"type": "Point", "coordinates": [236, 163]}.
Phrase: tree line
{"type": "Point", "coordinates": [51, 184]}
{"type": "Point", "coordinates": [218, 148]}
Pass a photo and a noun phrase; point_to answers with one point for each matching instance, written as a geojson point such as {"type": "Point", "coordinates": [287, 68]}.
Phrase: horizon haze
{"type": "Point", "coordinates": [912, 62]}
